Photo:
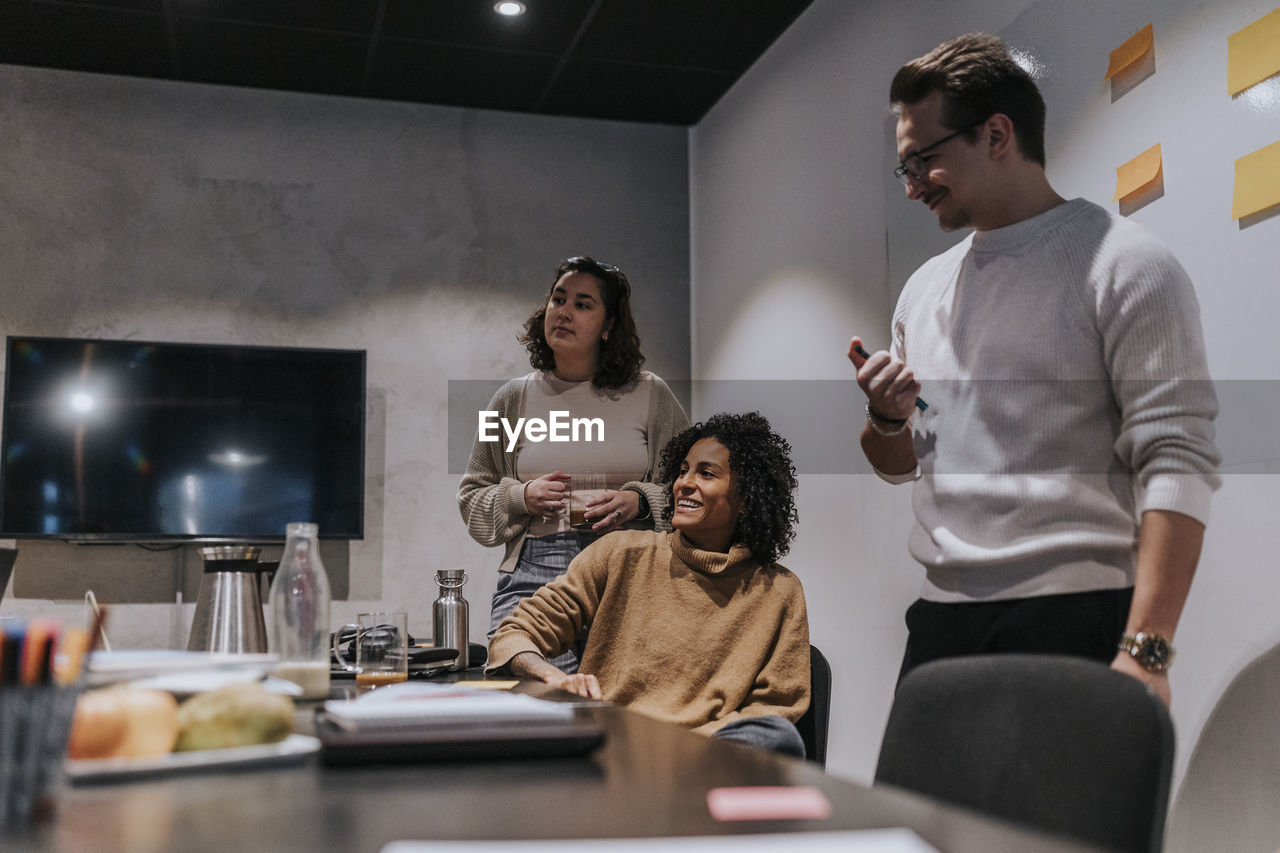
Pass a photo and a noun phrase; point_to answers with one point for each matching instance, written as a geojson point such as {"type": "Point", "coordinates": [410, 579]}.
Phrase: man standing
{"type": "Point", "coordinates": [1064, 463]}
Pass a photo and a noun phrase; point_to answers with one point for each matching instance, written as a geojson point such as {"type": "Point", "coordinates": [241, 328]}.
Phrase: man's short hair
{"type": "Point", "coordinates": [977, 78]}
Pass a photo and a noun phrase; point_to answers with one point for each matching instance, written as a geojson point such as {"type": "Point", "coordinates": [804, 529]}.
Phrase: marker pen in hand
{"type": "Point", "coordinates": [920, 404]}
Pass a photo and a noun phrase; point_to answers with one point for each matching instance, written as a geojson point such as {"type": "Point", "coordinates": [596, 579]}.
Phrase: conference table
{"type": "Point", "coordinates": [648, 779]}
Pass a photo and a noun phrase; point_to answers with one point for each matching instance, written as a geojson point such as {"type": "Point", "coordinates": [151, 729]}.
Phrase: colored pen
{"type": "Point", "coordinates": [11, 654]}
{"type": "Point", "coordinates": [44, 660]}
{"type": "Point", "coordinates": [35, 651]}
{"type": "Point", "coordinates": [920, 404]}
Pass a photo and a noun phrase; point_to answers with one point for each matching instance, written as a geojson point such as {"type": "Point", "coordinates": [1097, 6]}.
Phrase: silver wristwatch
{"type": "Point", "coordinates": [1152, 652]}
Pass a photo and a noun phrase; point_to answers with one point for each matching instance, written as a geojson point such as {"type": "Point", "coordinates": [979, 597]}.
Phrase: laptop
{"type": "Point", "coordinates": [447, 722]}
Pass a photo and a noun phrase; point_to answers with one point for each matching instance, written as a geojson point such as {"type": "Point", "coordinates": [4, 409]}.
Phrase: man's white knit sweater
{"type": "Point", "coordinates": [1064, 366]}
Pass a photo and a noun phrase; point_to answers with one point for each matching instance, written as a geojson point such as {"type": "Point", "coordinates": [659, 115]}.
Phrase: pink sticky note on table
{"type": "Point", "coordinates": [768, 803]}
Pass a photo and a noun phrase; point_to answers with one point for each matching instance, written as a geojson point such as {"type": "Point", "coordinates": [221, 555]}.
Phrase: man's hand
{"type": "Point", "coordinates": [1168, 550]}
{"type": "Point", "coordinates": [1157, 682]}
{"type": "Point", "coordinates": [890, 385]}
{"type": "Point", "coordinates": [891, 390]}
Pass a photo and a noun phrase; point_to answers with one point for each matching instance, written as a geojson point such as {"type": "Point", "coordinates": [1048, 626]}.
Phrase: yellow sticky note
{"type": "Point", "coordinates": [1253, 54]}
{"type": "Point", "coordinates": [1131, 51]}
{"type": "Point", "coordinates": [1257, 182]}
{"type": "Point", "coordinates": [1138, 173]}
{"type": "Point", "coordinates": [505, 684]}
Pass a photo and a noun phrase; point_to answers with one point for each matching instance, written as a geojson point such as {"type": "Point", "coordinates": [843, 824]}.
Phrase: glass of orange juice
{"type": "Point", "coordinates": [381, 648]}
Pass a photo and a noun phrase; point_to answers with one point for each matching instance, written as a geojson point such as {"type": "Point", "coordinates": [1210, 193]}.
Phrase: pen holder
{"type": "Point", "coordinates": [35, 722]}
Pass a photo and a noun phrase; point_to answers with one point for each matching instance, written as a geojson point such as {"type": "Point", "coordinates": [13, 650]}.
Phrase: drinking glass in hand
{"type": "Point", "coordinates": [585, 486]}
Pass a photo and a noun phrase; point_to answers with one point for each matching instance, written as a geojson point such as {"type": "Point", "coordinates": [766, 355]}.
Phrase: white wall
{"type": "Point", "coordinates": [166, 211]}
{"type": "Point", "coordinates": [801, 237]}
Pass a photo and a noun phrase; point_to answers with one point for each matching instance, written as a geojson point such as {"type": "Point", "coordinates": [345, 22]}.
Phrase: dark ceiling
{"type": "Point", "coordinates": [664, 61]}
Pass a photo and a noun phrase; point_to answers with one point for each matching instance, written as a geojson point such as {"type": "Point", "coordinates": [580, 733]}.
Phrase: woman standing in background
{"type": "Point", "coordinates": [586, 357]}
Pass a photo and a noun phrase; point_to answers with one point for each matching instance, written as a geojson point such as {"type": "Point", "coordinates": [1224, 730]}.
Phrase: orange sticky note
{"type": "Point", "coordinates": [1131, 51]}
{"type": "Point", "coordinates": [1139, 173]}
{"type": "Point", "coordinates": [1253, 53]}
{"type": "Point", "coordinates": [768, 803]}
{"type": "Point", "coordinates": [1257, 185]}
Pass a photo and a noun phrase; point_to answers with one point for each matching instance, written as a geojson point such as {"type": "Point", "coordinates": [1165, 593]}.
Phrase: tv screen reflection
{"type": "Point", "coordinates": [128, 440]}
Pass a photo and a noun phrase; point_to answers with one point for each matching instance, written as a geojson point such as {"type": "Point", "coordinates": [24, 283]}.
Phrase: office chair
{"type": "Point", "coordinates": [1063, 744]}
{"type": "Point", "coordinates": [813, 725]}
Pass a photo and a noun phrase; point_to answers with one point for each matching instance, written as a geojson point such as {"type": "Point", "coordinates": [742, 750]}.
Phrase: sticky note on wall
{"type": "Point", "coordinates": [1253, 53]}
{"type": "Point", "coordinates": [1139, 173]}
{"type": "Point", "coordinates": [1128, 54]}
{"type": "Point", "coordinates": [1257, 184]}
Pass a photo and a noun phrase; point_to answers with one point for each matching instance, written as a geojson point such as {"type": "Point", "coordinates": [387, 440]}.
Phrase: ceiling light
{"type": "Point", "coordinates": [82, 402]}
{"type": "Point", "coordinates": [510, 8]}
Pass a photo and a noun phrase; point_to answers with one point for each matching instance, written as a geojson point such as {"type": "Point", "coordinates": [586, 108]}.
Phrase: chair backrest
{"type": "Point", "coordinates": [1062, 744]}
{"type": "Point", "coordinates": [813, 725]}
{"type": "Point", "coordinates": [1227, 798]}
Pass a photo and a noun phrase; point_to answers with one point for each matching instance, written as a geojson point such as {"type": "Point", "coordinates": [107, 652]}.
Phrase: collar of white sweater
{"type": "Point", "coordinates": [1028, 231]}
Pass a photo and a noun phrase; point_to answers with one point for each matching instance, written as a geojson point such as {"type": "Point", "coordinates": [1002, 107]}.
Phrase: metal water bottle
{"type": "Point", "coordinates": [449, 625]}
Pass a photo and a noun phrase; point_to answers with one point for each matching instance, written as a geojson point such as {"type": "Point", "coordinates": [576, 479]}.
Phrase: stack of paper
{"type": "Point", "coordinates": [424, 704]}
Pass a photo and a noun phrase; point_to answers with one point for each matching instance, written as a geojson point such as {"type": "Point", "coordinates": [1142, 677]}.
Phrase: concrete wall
{"type": "Point", "coordinates": [802, 237]}
{"type": "Point", "coordinates": [425, 235]}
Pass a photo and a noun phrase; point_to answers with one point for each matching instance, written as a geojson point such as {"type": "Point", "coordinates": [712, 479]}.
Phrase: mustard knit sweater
{"type": "Point", "coordinates": [698, 638]}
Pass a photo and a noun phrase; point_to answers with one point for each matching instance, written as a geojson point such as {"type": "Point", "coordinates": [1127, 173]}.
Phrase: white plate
{"type": "Point", "coordinates": [106, 667]}
{"type": "Point", "coordinates": [292, 750]}
{"type": "Point", "coordinates": [202, 681]}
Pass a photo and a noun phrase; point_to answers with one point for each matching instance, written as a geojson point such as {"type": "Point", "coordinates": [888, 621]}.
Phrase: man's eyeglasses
{"type": "Point", "coordinates": [915, 167]}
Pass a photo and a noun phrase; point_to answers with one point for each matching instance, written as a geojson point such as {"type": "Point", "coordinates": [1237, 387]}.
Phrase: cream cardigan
{"type": "Point", "coordinates": [491, 495]}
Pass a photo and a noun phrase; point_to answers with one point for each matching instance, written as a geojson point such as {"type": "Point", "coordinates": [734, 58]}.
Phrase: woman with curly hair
{"type": "Point", "coordinates": [586, 357]}
{"type": "Point", "coordinates": [699, 626]}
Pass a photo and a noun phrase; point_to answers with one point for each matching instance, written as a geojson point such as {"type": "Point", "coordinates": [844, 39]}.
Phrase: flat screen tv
{"type": "Point", "coordinates": [143, 441]}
